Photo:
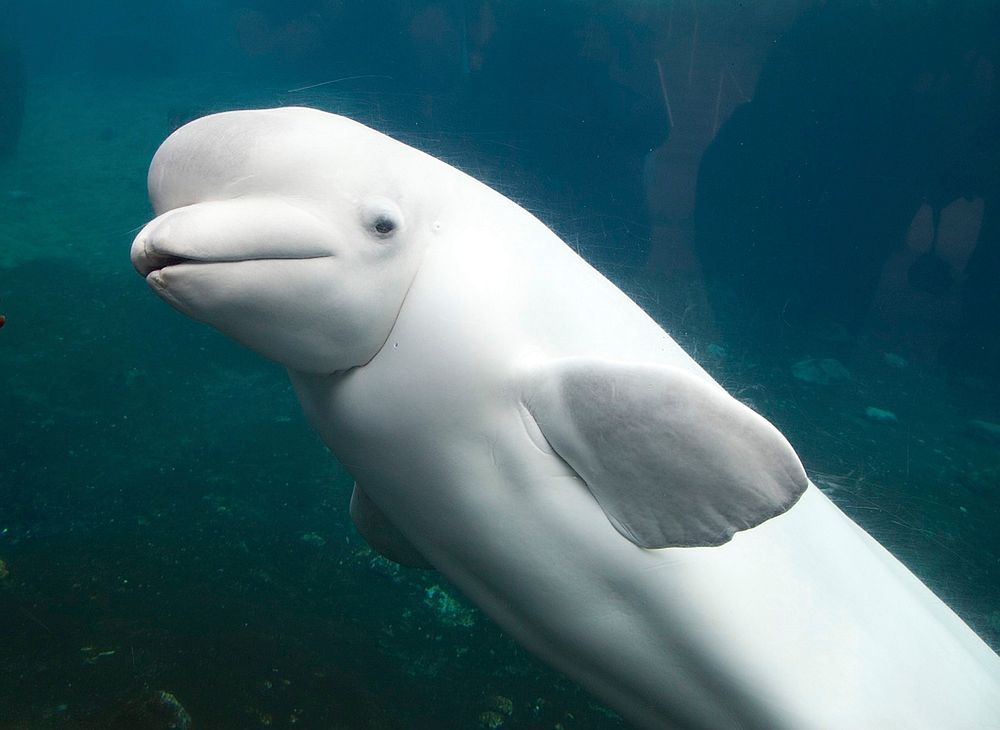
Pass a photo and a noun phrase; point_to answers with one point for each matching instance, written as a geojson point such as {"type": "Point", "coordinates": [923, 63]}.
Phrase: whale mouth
{"type": "Point", "coordinates": [147, 261]}
{"type": "Point", "coordinates": [150, 262]}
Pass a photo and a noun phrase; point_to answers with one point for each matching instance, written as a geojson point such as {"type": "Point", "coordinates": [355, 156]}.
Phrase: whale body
{"type": "Point", "coordinates": [515, 421]}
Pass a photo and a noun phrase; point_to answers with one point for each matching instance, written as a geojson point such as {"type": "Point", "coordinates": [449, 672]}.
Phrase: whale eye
{"type": "Point", "coordinates": [382, 217]}
{"type": "Point", "coordinates": [384, 225]}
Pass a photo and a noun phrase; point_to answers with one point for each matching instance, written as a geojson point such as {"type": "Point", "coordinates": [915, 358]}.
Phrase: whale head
{"type": "Point", "coordinates": [294, 231]}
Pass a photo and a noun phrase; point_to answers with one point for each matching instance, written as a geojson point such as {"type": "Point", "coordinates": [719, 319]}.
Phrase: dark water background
{"type": "Point", "coordinates": [765, 180]}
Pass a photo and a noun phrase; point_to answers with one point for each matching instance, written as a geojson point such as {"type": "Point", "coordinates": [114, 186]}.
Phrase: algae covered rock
{"type": "Point", "coordinates": [880, 415]}
{"type": "Point", "coordinates": [450, 611]}
{"type": "Point", "coordinates": [313, 538]}
{"type": "Point", "coordinates": [491, 720]}
{"type": "Point", "coordinates": [152, 711]}
{"type": "Point", "coordinates": [820, 371]}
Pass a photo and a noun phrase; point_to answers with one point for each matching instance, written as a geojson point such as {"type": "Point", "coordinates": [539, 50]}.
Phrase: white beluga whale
{"type": "Point", "coordinates": [515, 421]}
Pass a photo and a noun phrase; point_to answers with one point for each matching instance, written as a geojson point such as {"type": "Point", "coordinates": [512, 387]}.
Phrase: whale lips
{"type": "Point", "coordinates": [149, 261]}
{"type": "Point", "coordinates": [146, 259]}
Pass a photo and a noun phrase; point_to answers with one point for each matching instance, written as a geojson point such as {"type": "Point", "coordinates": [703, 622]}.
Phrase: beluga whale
{"type": "Point", "coordinates": [515, 421]}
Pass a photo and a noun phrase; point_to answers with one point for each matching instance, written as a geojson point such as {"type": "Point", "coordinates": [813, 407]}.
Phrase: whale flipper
{"type": "Point", "coordinates": [379, 532]}
{"type": "Point", "coordinates": [673, 460]}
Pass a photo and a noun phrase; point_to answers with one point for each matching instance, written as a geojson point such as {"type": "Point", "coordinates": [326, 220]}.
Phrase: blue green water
{"type": "Point", "coordinates": [169, 522]}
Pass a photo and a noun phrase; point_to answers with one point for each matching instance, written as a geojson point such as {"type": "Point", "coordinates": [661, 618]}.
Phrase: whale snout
{"type": "Point", "coordinates": [242, 229]}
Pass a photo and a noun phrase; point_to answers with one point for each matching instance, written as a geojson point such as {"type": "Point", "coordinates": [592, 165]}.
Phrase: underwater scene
{"type": "Point", "coordinates": [804, 194]}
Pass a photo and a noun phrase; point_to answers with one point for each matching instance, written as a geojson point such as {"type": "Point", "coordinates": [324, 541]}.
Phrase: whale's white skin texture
{"type": "Point", "coordinates": [516, 421]}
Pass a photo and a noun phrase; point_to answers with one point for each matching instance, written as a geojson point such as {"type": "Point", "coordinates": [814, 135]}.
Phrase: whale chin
{"type": "Point", "coordinates": [289, 310]}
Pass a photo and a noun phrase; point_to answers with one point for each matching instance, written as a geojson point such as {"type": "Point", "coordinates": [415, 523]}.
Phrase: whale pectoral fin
{"type": "Point", "coordinates": [381, 534]}
{"type": "Point", "coordinates": [672, 458]}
